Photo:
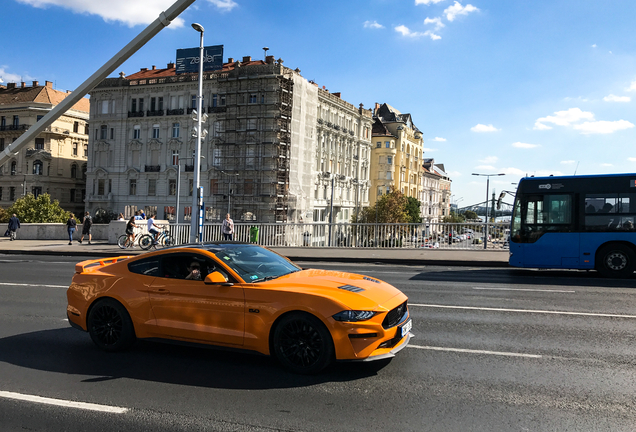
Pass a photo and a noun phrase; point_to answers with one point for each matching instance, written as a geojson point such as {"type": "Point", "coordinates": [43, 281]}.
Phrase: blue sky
{"type": "Point", "coordinates": [538, 87]}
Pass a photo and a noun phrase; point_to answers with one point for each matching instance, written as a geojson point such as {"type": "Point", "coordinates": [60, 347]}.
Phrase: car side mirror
{"type": "Point", "coordinates": [216, 278]}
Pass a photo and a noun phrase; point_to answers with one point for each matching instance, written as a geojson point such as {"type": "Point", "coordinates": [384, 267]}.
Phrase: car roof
{"type": "Point", "coordinates": [214, 246]}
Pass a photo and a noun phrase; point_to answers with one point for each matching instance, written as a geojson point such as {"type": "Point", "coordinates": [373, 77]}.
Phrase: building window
{"type": "Point", "coordinates": [38, 168]}
{"type": "Point", "coordinates": [103, 132]}
{"type": "Point", "coordinates": [14, 166]}
{"type": "Point", "coordinates": [74, 149]}
{"type": "Point", "coordinates": [160, 103]}
{"type": "Point", "coordinates": [222, 100]}
{"type": "Point", "coordinates": [193, 102]}
{"type": "Point", "coordinates": [39, 143]}
{"type": "Point", "coordinates": [86, 129]}
{"type": "Point", "coordinates": [152, 187]}
{"type": "Point", "coordinates": [388, 175]}
{"type": "Point", "coordinates": [36, 191]}
{"type": "Point", "coordinates": [141, 104]}
{"type": "Point", "coordinates": [387, 144]}
{"type": "Point", "coordinates": [155, 131]}
{"type": "Point", "coordinates": [12, 193]}
{"type": "Point", "coordinates": [389, 160]}
{"type": "Point", "coordinates": [172, 187]}
{"type": "Point", "coordinates": [214, 186]}
{"type": "Point", "coordinates": [153, 104]}
{"type": "Point", "coordinates": [85, 150]}
{"type": "Point", "coordinates": [133, 105]}
{"type": "Point", "coordinates": [252, 98]}
{"type": "Point", "coordinates": [1, 144]}
{"type": "Point", "coordinates": [73, 171]}
{"type": "Point", "coordinates": [72, 195]}
{"type": "Point", "coordinates": [175, 157]}
{"type": "Point", "coordinates": [76, 127]}
{"type": "Point", "coordinates": [100, 187]}
{"type": "Point", "coordinates": [137, 132]}
{"type": "Point", "coordinates": [214, 98]}
{"type": "Point", "coordinates": [105, 107]}
{"type": "Point", "coordinates": [112, 133]}
{"type": "Point", "coordinates": [175, 130]}
{"type": "Point", "coordinates": [132, 187]}
{"type": "Point", "coordinates": [16, 121]}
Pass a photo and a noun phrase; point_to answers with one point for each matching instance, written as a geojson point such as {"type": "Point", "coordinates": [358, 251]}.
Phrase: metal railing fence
{"type": "Point", "coordinates": [350, 235]}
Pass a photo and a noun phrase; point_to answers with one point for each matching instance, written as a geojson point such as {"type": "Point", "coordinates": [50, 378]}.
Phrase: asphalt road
{"type": "Point", "coordinates": [494, 350]}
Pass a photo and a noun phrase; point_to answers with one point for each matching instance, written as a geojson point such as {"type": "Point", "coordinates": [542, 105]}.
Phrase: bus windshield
{"type": "Point", "coordinates": [536, 214]}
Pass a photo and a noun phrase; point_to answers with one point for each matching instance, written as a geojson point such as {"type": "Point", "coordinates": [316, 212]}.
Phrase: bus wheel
{"type": "Point", "coordinates": [615, 260]}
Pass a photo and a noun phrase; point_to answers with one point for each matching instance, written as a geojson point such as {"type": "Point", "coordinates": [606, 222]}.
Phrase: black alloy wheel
{"type": "Point", "coordinates": [616, 260]}
{"type": "Point", "coordinates": [302, 343]}
{"type": "Point", "coordinates": [110, 326]}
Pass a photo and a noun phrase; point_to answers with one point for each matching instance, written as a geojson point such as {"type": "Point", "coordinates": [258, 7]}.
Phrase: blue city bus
{"type": "Point", "coordinates": [575, 222]}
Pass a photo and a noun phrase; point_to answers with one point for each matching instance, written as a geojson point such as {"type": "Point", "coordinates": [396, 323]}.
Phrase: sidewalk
{"type": "Point", "coordinates": [443, 257]}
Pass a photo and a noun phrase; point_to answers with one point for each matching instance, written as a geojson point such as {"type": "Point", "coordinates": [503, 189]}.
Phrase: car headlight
{"type": "Point", "coordinates": [353, 315]}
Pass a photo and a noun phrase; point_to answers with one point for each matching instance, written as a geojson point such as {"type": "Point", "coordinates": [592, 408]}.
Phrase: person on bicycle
{"type": "Point", "coordinates": [151, 228]}
{"type": "Point", "coordinates": [130, 231]}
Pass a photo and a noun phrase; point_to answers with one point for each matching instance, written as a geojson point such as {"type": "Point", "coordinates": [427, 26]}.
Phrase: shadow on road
{"type": "Point", "coordinates": [71, 352]}
{"type": "Point", "coordinates": [525, 277]}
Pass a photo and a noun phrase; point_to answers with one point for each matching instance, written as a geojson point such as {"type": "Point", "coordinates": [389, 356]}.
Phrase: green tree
{"type": "Point", "coordinates": [390, 208]}
{"type": "Point", "coordinates": [30, 209]}
{"type": "Point", "coordinates": [413, 210]}
{"type": "Point", "coordinates": [471, 215]}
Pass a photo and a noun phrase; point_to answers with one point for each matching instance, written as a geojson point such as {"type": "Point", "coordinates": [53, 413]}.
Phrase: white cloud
{"type": "Point", "coordinates": [425, 149]}
{"type": "Point", "coordinates": [436, 21]}
{"type": "Point", "coordinates": [457, 9]}
{"type": "Point", "coordinates": [484, 128]}
{"type": "Point", "coordinates": [513, 171]}
{"type": "Point", "coordinates": [439, 139]}
{"type": "Point", "coordinates": [563, 118]}
{"type": "Point", "coordinates": [614, 98]}
{"type": "Point", "coordinates": [406, 32]}
{"type": "Point", "coordinates": [489, 160]}
{"type": "Point", "coordinates": [225, 5]}
{"type": "Point", "coordinates": [373, 25]}
{"type": "Point", "coordinates": [594, 46]}
{"type": "Point", "coordinates": [603, 127]}
{"type": "Point", "coordinates": [568, 162]}
{"type": "Point", "coordinates": [131, 13]}
{"type": "Point", "coordinates": [632, 86]}
{"type": "Point", "coordinates": [631, 159]}
{"type": "Point", "coordinates": [427, 2]}
{"type": "Point", "coordinates": [525, 145]}
{"type": "Point", "coordinates": [8, 77]}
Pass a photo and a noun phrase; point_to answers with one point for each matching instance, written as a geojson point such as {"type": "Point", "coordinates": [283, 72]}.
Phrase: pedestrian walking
{"type": "Point", "coordinates": [228, 228]}
{"type": "Point", "coordinates": [14, 224]}
{"type": "Point", "coordinates": [86, 229]}
{"type": "Point", "coordinates": [71, 224]}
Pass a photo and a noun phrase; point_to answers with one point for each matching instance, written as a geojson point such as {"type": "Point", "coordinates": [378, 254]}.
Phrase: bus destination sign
{"type": "Point", "coordinates": [632, 183]}
{"type": "Point", "coordinates": [188, 59]}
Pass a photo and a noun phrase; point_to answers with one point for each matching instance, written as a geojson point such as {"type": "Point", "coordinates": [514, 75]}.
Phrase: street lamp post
{"type": "Point", "coordinates": [176, 210]}
{"type": "Point", "coordinates": [194, 223]}
{"type": "Point", "coordinates": [487, 187]}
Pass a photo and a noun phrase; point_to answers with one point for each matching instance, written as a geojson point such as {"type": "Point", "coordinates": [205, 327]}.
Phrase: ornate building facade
{"type": "Point", "coordinates": [55, 162]}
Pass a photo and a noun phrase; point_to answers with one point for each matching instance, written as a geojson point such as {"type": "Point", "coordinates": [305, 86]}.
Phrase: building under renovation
{"type": "Point", "coordinates": [259, 156]}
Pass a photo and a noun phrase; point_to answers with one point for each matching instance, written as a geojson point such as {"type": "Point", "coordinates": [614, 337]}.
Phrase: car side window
{"type": "Point", "coordinates": [146, 267]}
{"type": "Point", "coordinates": [181, 266]}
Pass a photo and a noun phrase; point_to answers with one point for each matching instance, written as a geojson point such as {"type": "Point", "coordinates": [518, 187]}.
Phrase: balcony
{"type": "Point", "coordinates": [135, 113]}
{"type": "Point", "coordinates": [188, 168]}
{"type": "Point", "coordinates": [220, 109]}
{"type": "Point", "coordinates": [178, 111]}
{"type": "Point", "coordinates": [156, 113]}
{"type": "Point", "coordinates": [14, 127]}
{"type": "Point", "coordinates": [152, 168]}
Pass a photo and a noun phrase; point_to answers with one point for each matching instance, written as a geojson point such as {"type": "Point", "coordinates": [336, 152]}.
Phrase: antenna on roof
{"type": "Point", "coordinates": [577, 167]}
{"type": "Point", "coordinates": [265, 49]}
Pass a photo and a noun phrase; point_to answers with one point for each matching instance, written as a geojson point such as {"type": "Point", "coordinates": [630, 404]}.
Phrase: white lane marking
{"type": "Point", "coordinates": [470, 351]}
{"type": "Point", "coordinates": [523, 289]}
{"type": "Point", "coordinates": [63, 403]}
{"type": "Point", "coordinates": [33, 285]}
{"type": "Point", "coordinates": [602, 315]}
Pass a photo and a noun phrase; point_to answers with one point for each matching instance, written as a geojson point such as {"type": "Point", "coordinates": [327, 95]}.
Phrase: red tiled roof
{"type": "Point", "coordinates": [40, 94]}
{"type": "Point", "coordinates": [146, 73]}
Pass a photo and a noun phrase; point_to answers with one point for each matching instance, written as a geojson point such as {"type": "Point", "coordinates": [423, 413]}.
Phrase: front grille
{"type": "Point", "coordinates": [395, 316]}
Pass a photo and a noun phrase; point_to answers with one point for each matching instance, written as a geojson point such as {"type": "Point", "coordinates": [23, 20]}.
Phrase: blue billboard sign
{"type": "Point", "coordinates": [188, 59]}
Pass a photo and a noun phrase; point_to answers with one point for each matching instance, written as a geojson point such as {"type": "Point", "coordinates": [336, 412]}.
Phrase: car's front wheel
{"type": "Point", "coordinates": [302, 343]}
{"type": "Point", "coordinates": [110, 326]}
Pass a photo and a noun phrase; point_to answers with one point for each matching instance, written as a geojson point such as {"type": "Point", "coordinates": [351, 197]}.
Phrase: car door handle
{"type": "Point", "coordinates": [161, 291]}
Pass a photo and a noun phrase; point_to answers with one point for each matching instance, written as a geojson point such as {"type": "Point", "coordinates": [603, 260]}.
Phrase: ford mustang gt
{"type": "Point", "coordinates": [242, 296]}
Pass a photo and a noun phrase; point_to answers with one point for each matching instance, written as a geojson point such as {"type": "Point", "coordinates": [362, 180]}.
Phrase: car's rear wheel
{"type": "Point", "coordinates": [110, 326]}
{"type": "Point", "coordinates": [302, 343]}
{"type": "Point", "coordinates": [616, 260]}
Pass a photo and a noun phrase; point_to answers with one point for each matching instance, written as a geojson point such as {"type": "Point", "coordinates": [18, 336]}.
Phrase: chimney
{"type": "Point", "coordinates": [49, 84]}
{"type": "Point", "coordinates": [154, 67]}
{"type": "Point", "coordinates": [144, 69]}
{"type": "Point", "coordinates": [247, 59]}
{"type": "Point", "coordinates": [337, 94]}
{"type": "Point", "coordinates": [230, 60]}
{"type": "Point", "coordinates": [69, 91]}
{"type": "Point", "coordinates": [10, 86]}
{"type": "Point", "coordinates": [170, 65]}
{"type": "Point", "coordinates": [22, 84]}
{"type": "Point", "coordinates": [36, 84]}
{"type": "Point", "coordinates": [269, 59]}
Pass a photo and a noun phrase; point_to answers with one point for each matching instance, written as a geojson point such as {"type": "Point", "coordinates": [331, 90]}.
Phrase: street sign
{"type": "Point", "coordinates": [188, 59]}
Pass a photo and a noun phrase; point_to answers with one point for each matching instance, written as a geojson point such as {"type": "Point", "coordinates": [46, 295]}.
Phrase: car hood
{"type": "Point", "coordinates": [352, 289]}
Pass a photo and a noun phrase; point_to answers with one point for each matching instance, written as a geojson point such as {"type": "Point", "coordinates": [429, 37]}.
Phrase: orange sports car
{"type": "Point", "coordinates": [239, 296]}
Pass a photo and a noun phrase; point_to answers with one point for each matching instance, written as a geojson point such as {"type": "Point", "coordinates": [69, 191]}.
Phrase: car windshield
{"type": "Point", "coordinates": [256, 264]}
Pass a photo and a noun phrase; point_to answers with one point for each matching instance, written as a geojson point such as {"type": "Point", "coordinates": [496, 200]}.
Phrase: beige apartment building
{"type": "Point", "coordinates": [55, 161]}
{"type": "Point", "coordinates": [397, 160]}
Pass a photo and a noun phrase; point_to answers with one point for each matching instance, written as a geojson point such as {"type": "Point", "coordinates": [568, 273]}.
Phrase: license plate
{"type": "Point", "coordinates": [406, 327]}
